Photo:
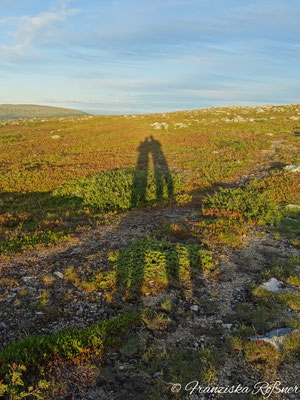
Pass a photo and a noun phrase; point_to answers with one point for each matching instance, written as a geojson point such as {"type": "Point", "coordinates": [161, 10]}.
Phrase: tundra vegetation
{"type": "Point", "coordinates": [19, 111]}
{"type": "Point", "coordinates": [134, 252]}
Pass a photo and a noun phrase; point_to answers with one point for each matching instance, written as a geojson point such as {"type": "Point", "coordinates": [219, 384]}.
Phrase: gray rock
{"type": "Point", "coordinates": [113, 356]}
{"type": "Point", "coordinates": [228, 326]}
{"type": "Point", "coordinates": [292, 168]}
{"type": "Point", "coordinates": [58, 274]}
{"type": "Point", "coordinates": [26, 279]}
{"type": "Point", "coordinates": [273, 285]}
{"type": "Point", "coordinates": [275, 338]}
{"type": "Point", "coordinates": [3, 325]}
{"type": "Point", "coordinates": [157, 125]}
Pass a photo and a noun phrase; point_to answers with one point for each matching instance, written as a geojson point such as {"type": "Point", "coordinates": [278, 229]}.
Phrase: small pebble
{"type": "Point", "coordinates": [3, 325]}
{"type": "Point", "coordinates": [26, 278]}
{"type": "Point", "coordinates": [228, 326]}
{"type": "Point", "coordinates": [58, 275]}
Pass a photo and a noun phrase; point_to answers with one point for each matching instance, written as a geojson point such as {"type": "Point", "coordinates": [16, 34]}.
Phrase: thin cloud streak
{"type": "Point", "coordinates": [31, 28]}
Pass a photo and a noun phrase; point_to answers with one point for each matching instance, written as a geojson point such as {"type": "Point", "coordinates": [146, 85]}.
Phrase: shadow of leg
{"type": "Point", "coordinates": [140, 175]}
{"type": "Point", "coordinates": [172, 268]}
{"type": "Point", "coordinates": [158, 184]}
{"type": "Point", "coordinates": [130, 268]}
{"type": "Point", "coordinates": [161, 170]}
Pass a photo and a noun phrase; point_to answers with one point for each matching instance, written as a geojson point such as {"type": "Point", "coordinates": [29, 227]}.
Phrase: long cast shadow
{"type": "Point", "coordinates": [104, 240]}
{"type": "Point", "coordinates": [163, 180]}
{"type": "Point", "coordinates": [162, 175]}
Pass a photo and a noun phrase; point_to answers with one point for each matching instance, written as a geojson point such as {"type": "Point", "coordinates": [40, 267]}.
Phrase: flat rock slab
{"type": "Point", "coordinates": [293, 207]}
{"type": "Point", "coordinates": [275, 338]}
{"type": "Point", "coordinates": [292, 168]}
{"type": "Point", "coordinates": [273, 285]}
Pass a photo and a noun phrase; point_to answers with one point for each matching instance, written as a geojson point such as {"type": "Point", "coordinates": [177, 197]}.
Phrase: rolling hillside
{"type": "Point", "coordinates": [16, 111]}
{"type": "Point", "coordinates": [142, 253]}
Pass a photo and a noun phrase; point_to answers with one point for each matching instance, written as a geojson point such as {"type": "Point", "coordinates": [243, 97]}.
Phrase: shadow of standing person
{"type": "Point", "coordinates": [164, 186]}
{"type": "Point", "coordinates": [161, 170]}
{"type": "Point", "coordinates": [129, 283]}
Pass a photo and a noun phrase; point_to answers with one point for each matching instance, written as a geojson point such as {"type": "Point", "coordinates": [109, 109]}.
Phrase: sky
{"type": "Point", "coordinates": [143, 56]}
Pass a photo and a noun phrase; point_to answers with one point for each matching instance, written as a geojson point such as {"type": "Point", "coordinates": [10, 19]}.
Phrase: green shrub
{"type": "Point", "coordinates": [36, 352]}
{"type": "Point", "coordinates": [15, 388]}
{"type": "Point", "coordinates": [29, 240]}
{"type": "Point", "coordinates": [250, 204]}
{"type": "Point", "coordinates": [121, 189]}
{"type": "Point", "coordinates": [150, 265]}
{"type": "Point", "coordinates": [228, 212]}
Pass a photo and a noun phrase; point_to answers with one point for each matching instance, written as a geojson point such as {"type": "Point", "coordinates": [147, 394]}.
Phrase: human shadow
{"type": "Point", "coordinates": [162, 176]}
{"type": "Point", "coordinates": [129, 283]}
{"type": "Point", "coordinates": [101, 240]}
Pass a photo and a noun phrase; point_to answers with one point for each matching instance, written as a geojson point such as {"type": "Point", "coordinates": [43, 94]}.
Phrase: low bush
{"type": "Point", "coordinates": [122, 189]}
{"type": "Point", "coordinates": [228, 212]}
{"type": "Point", "coordinates": [150, 265]}
{"type": "Point", "coordinates": [248, 203]}
{"type": "Point", "coordinates": [35, 354]}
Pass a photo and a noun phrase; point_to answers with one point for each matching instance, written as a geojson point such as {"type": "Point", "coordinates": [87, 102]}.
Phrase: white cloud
{"type": "Point", "coordinates": [30, 29]}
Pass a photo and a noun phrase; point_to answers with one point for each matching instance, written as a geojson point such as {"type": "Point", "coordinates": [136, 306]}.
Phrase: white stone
{"type": "Point", "coordinates": [293, 207]}
{"type": "Point", "coordinates": [58, 275]}
{"type": "Point", "coordinates": [238, 118]}
{"type": "Point", "coordinates": [158, 125]}
{"type": "Point", "coordinates": [194, 308]}
{"type": "Point", "coordinates": [228, 326]}
{"type": "Point", "coordinates": [273, 285]}
{"type": "Point", "coordinates": [292, 168]}
{"type": "Point", "coordinates": [275, 338]}
{"type": "Point", "coordinates": [179, 125]}
{"type": "Point", "coordinates": [26, 278]}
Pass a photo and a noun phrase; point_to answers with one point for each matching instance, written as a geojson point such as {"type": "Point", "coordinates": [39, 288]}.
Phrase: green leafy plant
{"type": "Point", "coordinates": [120, 189]}
{"type": "Point", "coordinates": [34, 353]}
{"type": "Point", "coordinates": [150, 265]}
{"type": "Point", "coordinates": [16, 389]}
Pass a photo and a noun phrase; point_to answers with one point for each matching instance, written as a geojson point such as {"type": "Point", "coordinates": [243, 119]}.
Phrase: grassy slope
{"type": "Point", "coordinates": [15, 111]}
{"type": "Point", "coordinates": [208, 150]}
{"type": "Point", "coordinates": [207, 147]}
{"type": "Point", "coordinates": [211, 147]}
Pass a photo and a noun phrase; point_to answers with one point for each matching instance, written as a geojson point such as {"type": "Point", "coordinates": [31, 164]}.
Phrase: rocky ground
{"type": "Point", "coordinates": [207, 319]}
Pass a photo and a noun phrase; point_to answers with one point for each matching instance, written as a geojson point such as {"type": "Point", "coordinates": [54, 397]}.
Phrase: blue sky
{"type": "Point", "coordinates": [133, 56]}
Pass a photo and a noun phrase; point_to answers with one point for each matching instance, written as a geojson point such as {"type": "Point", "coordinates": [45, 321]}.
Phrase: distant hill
{"type": "Point", "coordinates": [15, 111]}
